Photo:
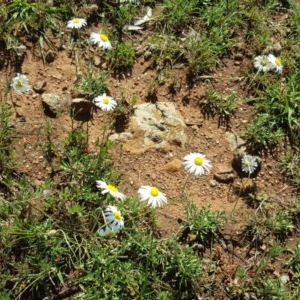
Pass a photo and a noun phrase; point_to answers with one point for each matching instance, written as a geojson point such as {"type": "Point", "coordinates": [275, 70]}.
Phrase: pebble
{"type": "Point", "coordinates": [213, 183]}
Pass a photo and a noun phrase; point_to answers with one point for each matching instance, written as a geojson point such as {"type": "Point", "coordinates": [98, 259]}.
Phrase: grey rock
{"type": "Point", "coordinates": [156, 125]}
{"type": "Point", "coordinates": [236, 144]}
{"type": "Point", "coordinates": [161, 123]}
{"type": "Point", "coordinates": [56, 102]}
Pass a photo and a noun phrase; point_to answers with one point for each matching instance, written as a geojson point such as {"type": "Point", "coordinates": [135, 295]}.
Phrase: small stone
{"type": "Point", "coordinates": [121, 137]}
{"type": "Point", "coordinates": [213, 183]}
{"type": "Point", "coordinates": [248, 184]}
{"type": "Point", "coordinates": [56, 103]}
{"type": "Point", "coordinates": [195, 128]}
{"type": "Point", "coordinates": [235, 142]}
{"type": "Point", "coordinates": [97, 61]}
{"type": "Point", "coordinates": [284, 279]}
{"type": "Point", "coordinates": [174, 165]}
{"type": "Point", "coordinates": [50, 57]}
{"type": "Point", "coordinates": [277, 47]}
{"type": "Point", "coordinates": [224, 173]}
{"type": "Point", "coordinates": [39, 86]}
{"type": "Point", "coordinates": [147, 54]}
{"type": "Point", "coordinates": [81, 106]}
{"type": "Point", "coordinates": [238, 56]}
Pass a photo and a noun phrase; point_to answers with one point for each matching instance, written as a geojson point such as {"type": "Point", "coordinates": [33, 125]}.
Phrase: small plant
{"type": "Point", "coordinates": [6, 136]}
{"type": "Point", "coordinates": [281, 223]}
{"type": "Point", "coordinates": [37, 20]}
{"type": "Point", "coordinates": [179, 14]}
{"type": "Point", "coordinates": [121, 56]}
{"type": "Point", "coordinates": [165, 49]}
{"type": "Point", "coordinates": [121, 16]}
{"type": "Point", "coordinates": [267, 288]}
{"type": "Point", "coordinates": [81, 167]}
{"type": "Point", "coordinates": [289, 167]}
{"type": "Point", "coordinates": [270, 223]}
{"type": "Point", "coordinates": [294, 21]}
{"type": "Point", "coordinates": [259, 140]}
{"type": "Point", "coordinates": [92, 84]}
{"type": "Point", "coordinates": [294, 261]}
{"type": "Point", "coordinates": [201, 53]}
{"type": "Point", "coordinates": [278, 113]}
{"type": "Point", "coordinates": [202, 223]}
{"type": "Point", "coordinates": [255, 20]}
{"type": "Point", "coordinates": [222, 105]}
{"type": "Point", "coordinates": [49, 146]}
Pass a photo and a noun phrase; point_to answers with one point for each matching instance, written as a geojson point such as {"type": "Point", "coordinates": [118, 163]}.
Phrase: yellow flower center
{"type": "Point", "coordinates": [19, 83]}
{"type": "Point", "coordinates": [117, 215]}
{"type": "Point", "coordinates": [278, 61]}
{"type": "Point", "coordinates": [76, 21]}
{"type": "Point", "coordinates": [198, 161]}
{"type": "Point", "coordinates": [154, 191]}
{"type": "Point", "coordinates": [105, 100]}
{"type": "Point", "coordinates": [103, 37]}
{"type": "Point", "coordinates": [112, 188]}
{"type": "Point", "coordinates": [263, 62]}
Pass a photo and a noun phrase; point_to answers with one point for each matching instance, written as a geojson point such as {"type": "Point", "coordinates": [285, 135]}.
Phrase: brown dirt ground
{"type": "Point", "coordinates": [151, 167]}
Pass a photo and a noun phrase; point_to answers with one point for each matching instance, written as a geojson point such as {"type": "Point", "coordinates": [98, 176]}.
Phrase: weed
{"type": "Point", "coordinates": [278, 111]}
{"type": "Point", "coordinates": [79, 166]}
{"type": "Point", "coordinates": [201, 53]}
{"type": "Point", "coordinates": [121, 16]}
{"type": "Point", "coordinates": [202, 223]}
{"type": "Point", "coordinates": [269, 289]}
{"type": "Point", "coordinates": [288, 165]}
{"type": "Point", "coordinates": [92, 84]}
{"type": "Point", "coordinates": [121, 57]}
{"type": "Point", "coordinates": [6, 137]}
{"type": "Point", "coordinates": [165, 49]}
{"type": "Point", "coordinates": [176, 16]}
{"type": "Point", "coordinates": [256, 21]}
{"type": "Point", "coordinates": [259, 140]}
{"type": "Point", "coordinates": [221, 21]}
{"type": "Point", "coordinates": [49, 146]}
{"type": "Point", "coordinates": [222, 105]}
{"type": "Point", "coordinates": [270, 223]}
{"type": "Point", "coordinates": [294, 21]}
{"type": "Point", "coordinates": [34, 19]}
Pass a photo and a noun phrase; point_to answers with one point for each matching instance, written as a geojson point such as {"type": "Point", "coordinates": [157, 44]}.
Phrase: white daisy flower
{"type": "Point", "coordinates": [20, 84]}
{"type": "Point", "coordinates": [262, 63]}
{"type": "Point", "coordinates": [275, 63]}
{"type": "Point", "coordinates": [101, 39]}
{"type": "Point", "coordinates": [105, 102]}
{"type": "Point", "coordinates": [196, 163]}
{"type": "Point", "coordinates": [110, 189]}
{"type": "Point", "coordinates": [114, 218]}
{"type": "Point", "coordinates": [107, 231]}
{"type": "Point", "coordinates": [76, 23]}
{"type": "Point", "coordinates": [153, 195]}
{"type": "Point", "coordinates": [249, 164]}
